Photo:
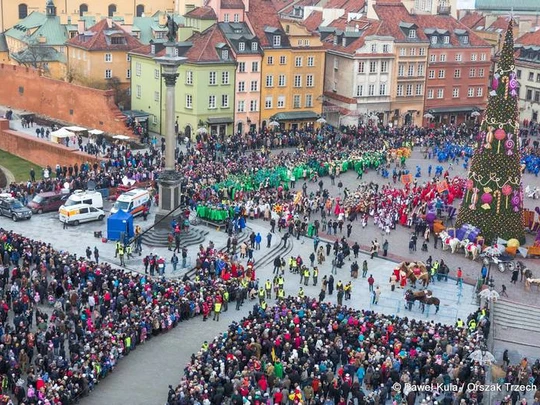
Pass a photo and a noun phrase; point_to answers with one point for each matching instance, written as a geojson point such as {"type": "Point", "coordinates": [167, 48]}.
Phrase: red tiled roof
{"type": "Point", "coordinates": [262, 14]}
{"type": "Point", "coordinates": [300, 3]}
{"type": "Point", "coordinates": [368, 27]}
{"type": "Point", "coordinates": [335, 96]}
{"type": "Point", "coordinates": [313, 21]}
{"type": "Point", "coordinates": [204, 45]}
{"type": "Point", "coordinates": [500, 23]}
{"type": "Point", "coordinates": [202, 13]}
{"type": "Point", "coordinates": [530, 38]}
{"type": "Point", "coordinates": [352, 6]}
{"type": "Point", "coordinates": [98, 41]}
{"type": "Point", "coordinates": [473, 20]}
{"type": "Point", "coordinates": [232, 4]}
{"type": "Point", "coordinates": [279, 5]}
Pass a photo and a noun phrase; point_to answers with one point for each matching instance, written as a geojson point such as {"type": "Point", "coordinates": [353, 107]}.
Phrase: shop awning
{"type": "Point", "coordinates": [296, 116]}
{"type": "Point", "coordinates": [220, 120]}
{"type": "Point", "coordinates": [453, 109]}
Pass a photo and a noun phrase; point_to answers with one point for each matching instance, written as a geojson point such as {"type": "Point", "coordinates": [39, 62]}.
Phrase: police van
{"type": "Point", "coordinates": [133, 202]}
{"type": "Point", "coordinates": [76, 214]}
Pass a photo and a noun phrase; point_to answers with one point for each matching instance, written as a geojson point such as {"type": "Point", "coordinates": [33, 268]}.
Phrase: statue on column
{"type": "Point", "coordinates": [172, 27]}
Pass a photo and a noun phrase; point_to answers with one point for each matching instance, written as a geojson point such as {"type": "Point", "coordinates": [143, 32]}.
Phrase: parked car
{"type": "Point", "coordinates": [10, 207]}
{"type": "Point", "coordinates": [47, 202]}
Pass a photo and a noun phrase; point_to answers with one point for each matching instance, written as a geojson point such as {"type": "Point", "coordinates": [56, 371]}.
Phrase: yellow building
{"type": "Point", "coordinates": [99, 54]}
{"type": "Point", "coordinates": [70, 11]}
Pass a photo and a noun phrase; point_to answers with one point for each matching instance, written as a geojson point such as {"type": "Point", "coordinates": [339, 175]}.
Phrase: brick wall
{"type": "Point", "coordinates": [37, 150]}
{"type": "Point", "coordinates": [25, 89]}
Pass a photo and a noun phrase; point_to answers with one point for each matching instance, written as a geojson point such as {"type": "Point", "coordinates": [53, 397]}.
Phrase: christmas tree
{"type": "Point", "coordinates": [493, 200]}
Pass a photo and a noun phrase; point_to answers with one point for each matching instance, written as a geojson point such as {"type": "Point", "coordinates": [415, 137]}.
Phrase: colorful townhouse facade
{"type": "Point", "coordinates": [528, 73]}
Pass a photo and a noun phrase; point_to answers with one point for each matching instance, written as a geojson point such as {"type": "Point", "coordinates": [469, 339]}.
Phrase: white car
{"type": "Point", "coordinates": [76, 214]}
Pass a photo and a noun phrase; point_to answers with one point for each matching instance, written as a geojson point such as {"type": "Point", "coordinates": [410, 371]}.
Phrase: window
{"type": "Point", "coordinates": [422, 52]}
{"type": "Point", "coordinates": [241, 67]}
{"type": "Point", "coordinates": [412, 52]}
{"type": "Point", "coordinates": [309, 100]}
{"type": "Point", "coordinates": [83, 8]}
{"type": "Point", "coordinates": [528, 97]}
{"type": "Point", "coordinates": [224, 77]}
{"type": "Point", "coordinates": [440, 93]}
{"type": "Point", "coordinates": [270, 60]}
{"type": "Point", "coordinates": [281, 102]}
{"type": "Point", "coordinates": [470, 92]}
{"type": "Point", "coordinates": [254, 46]}
{"type": "Point", "coordinates": [156, 95]}
{"type": "Point", "coordinates": [482, 56]}
{"type": "Point", "coordinates": [309, 81]}
{"type": "Point", "coordinates": [23, 11]}
{"type": "Point", "coordinates": [108, 57]}
{"type": "Point", "coordinates": [224, 54]}
{"type": "Point", "coordinates": [224, 101]}
{"type": "Point", "coordinates": [111, 10]}
{"type": "Point", "coordinates": [430, 93]}
{"type": "Point", "coordinates": [412, 33]}
{"type": "Point", "coordinates": [212, 78]}
{"type": "Point", "coordinates": [402, 51]}
{"type": "Point", "coordinates": [241, 46]}
{"type": "Point", "coordinates": [441, 73]}
{"type": "Point", "coordinates": [433, 58]}
{"type": "Point", "coordinates": [474, 57]}
{"type": "Point", "coordinates": [253, 105]}
{"type": "Point", "coordinates": [128, 57]}
{"type": "Point", "coordinates": [297, 80]}
{"type": "Point", "coordinates": [401, 69]}
{"type": "Point", "coordinates": [455, 92]}
{"type": "Point", "coordinates": [241, 106]}
{"type": "Point", "coordinates": [373, 48]}
{"type": "Point", "coordinates": [189, 101]}
{"type": "Point", "coordinates": [139, 10]}
{"type": "Point", "coordinates": [373, 67]}
{"type": "Point", "coordinates": [434, 40]}
{"type": "Point", "coordinates": [361, 67]}
{"type": "Point", "coordinates": [211, 102]}
{"type": "Point", "coordinates": [386, 48]}
{"type": "Point", "coordinates": [531, 76]}
{"type": "Point", "coordinates": [457, 73]}
{"type": "Point", "coordinates": [336, 63]}
{"type": "Point", "coordinates": [281, 81]}
{"type": "Point", "coordinates": [419, 89]}
{"type": "Point", "coordinates": [269, 81]}
{"type": "Point", "coordinates": [431, 74]}
{"type": "Point", "coordinates": [465, 39]}
{"type": "Point", "coordinates": [410, 72]}
{"type": "Point", "coordinates": [268, 102]}
{"type": "Point", "coordinates": [458, 57]}
{"type": "Point", "coordinates": [442, 57]}
{"type": "Point", "coordinates": [128, 74]}
{"type": "Point", "coordinates": [420, 69]}
{"type": "Point", "coordinates": [481, 72]}
{"type": "Point", "coordinates": [479, 92]}
{"type": "Point", "coordinates": [138, 91]}
{"type": "Point", "coordinates": [241, 87]}
{"type": "Point", "coordinates": [226, 18]}
{"type": "Point", "coordinates": [409, 93]}
{"type": "Point", "coordinates": [236, 18]}
{"type": "Point", "coordinates": [384, 66]}
{"type": "Point", "coordinates": [156, 74]}
{"type": "Point", "coordinates": [138, 68]}
{"type": "Point", "coordinates": [538, 78]}
{"type": "Point", "coordinates": [282, 60]}
{"type": "Point", "coordinates": [254, 85]}
{"type": "Point", "coordinates": [254, 66]}
{"type": "Point", "coordinates": [446, 39]}
{"type": "Point", "coordinates": [371, 90]}
{"type": "Point", "coordinates": [359, 90]}
{"type": "Point", "coordinates": [276, 41]}
{"type": "Point", "coordinates": [108, 73]}
{"type": "Point", "coordinates": [382, 89]}
{"type": "Point", "coordinates": [399, 90]}
{"type": "Point", "coordinates": [189, 77]}
{"type": "Point", "coordinates": [537, 96]}
{"type": "Point", "coordinates": [472, 72]}
{"type": "Point", "coordinates": [298, 61]}
{"type": "Point", "coordinates": [296, 101]}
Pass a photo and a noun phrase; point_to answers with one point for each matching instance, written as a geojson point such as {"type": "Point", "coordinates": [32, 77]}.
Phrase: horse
{"type": "Point", "coordinates": [449, 242]}
{"type": "Point", "coordinates": [409, 267]}
{"type": "Point", "coordinates": [532, 281]}
{"type": "Point", "coordinates": [470, 248]}
{"type": "Point", "coordinates": [412, 296]}
{"type": "Point", "coordinates": [430, 300]}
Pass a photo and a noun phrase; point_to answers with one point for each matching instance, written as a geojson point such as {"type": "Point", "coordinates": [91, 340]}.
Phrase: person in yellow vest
{"type": "Point", "coordinates": [301, 293]}
{"type": "Point", "coordinates": [281, 293]}
{"type": "Point", "coordinates": [339, 285]}
{"type": "Point", "coordinates": [281, 281]}
{"type": "Point", "coordinates": [348, 290]}
{"type": "Point", "coordinates": [460, 324]}
{"type": "Point", "coordinates": [268, 288]}
{"type": "Point", "coordinates": [117, 249]}
{"type": "Point", "coordinates": [315, 275]}
{"type": "Point", "coordinates": [204, 346]}
{"type": "Point", "coordinates": [472, 325]}
{"type": "Point", "coordinates": [306, 276]}
{"type": "Point", "coordinates": [225, 301]}
{"type": "Point", "coordinates": [264, 305]}
{"type": "Point", "coordinates": [261, 295]}
{"type": "Point", "coordinates": [217, 310]}
{"type": "Point", "coordinates": [121, 254]}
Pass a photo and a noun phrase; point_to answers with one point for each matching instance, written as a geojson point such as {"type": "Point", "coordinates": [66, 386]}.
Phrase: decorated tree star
{"type": "Point", "coordinates": [493, 200]}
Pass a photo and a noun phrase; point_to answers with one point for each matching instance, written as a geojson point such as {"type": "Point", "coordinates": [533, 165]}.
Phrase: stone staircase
{"type": "Point", "coordinates": [517, 323]}
{"type": "Point", "coordinates": [158, 237]}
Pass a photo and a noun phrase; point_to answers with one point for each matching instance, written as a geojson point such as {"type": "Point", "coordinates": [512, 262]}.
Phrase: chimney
{"type": "Point", "coordinates": [109, 22]}
{"type": "Point", "coordinates": [490, 19]}
{"type": "Point", "coordinates": [80, 27]}
{"type": "Point", "coordinates": [524, 27]}
{"type": "Point", "coordinates": [371, 14]}
{"type": "Point", "coordinates": [246, 6]}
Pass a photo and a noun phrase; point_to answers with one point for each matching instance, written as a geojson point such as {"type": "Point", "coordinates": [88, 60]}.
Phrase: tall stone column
{"type": "Point", "coordinates": [169, 179]}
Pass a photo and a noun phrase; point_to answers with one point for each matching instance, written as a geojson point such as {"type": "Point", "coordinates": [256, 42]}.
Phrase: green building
{"type": "Point", "coordinates": [204, 89]}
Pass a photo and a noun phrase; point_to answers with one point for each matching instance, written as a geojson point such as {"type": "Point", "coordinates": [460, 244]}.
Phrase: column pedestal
{"type": "Point", "coordinates": [169, 197]}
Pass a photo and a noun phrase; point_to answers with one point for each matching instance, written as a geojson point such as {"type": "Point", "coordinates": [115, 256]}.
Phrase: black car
{"type": "Point", "coordinates": [14, 209]}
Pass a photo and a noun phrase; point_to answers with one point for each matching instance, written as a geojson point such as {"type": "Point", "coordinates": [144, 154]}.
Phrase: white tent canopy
{"type": "Point", "coordinates": [121, 137]}
{"type": "Point", "coordinates": [60, 134]}
{"type": "Point", "coordinates": [95, 132]}
{"type": "Point", "coordinates": [75, 129]}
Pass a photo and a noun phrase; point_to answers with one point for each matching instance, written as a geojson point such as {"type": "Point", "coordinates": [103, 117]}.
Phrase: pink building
{"type": "Point", "coordinates": [229, 10]}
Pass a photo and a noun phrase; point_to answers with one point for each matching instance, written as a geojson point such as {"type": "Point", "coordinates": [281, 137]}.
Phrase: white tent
{"type": "Point", "coordinates": [75, 129]}
{"type": "Point", "coordinates": [121, 137]}
{"type": "Point", "coordinates": [95, 132]}
{"type": "Point", "coordinates": [62, 133]}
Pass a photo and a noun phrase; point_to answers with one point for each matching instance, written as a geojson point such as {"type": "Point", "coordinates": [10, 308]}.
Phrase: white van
{"type": "Point", "coordinates": [132, 201]}
{"type": "Point", "coordinates": [76, 214]}
{"type": "Point", "coordinates": [90, 197]}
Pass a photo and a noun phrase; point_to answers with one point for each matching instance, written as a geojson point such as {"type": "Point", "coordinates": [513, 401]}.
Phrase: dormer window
{"type": "Point", "coordinates": [343, 41]}
{"type": "Point", "coordinates": [241, 46]}
{"type": "Point", "coordinates": [224, 54]}
{"type": "Point", "coordinates": [276, 40]}
{"type": "Point", "coordinates": [465, 39]}
{"type": "Point", "coordinates": [254, 46]}
{"type": "Point", "coordinates": [434, 40]}
{"type": "Point", "coordinates": [153, 49]}
{"type": "Point", "coordinates": [335, 40]}
{"type": "Point", "coordinates": [447, 39]}
{"type": "Point", "coordinates": [412, 33]}
{"type": "Point", "coordinates": [373, 48]}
